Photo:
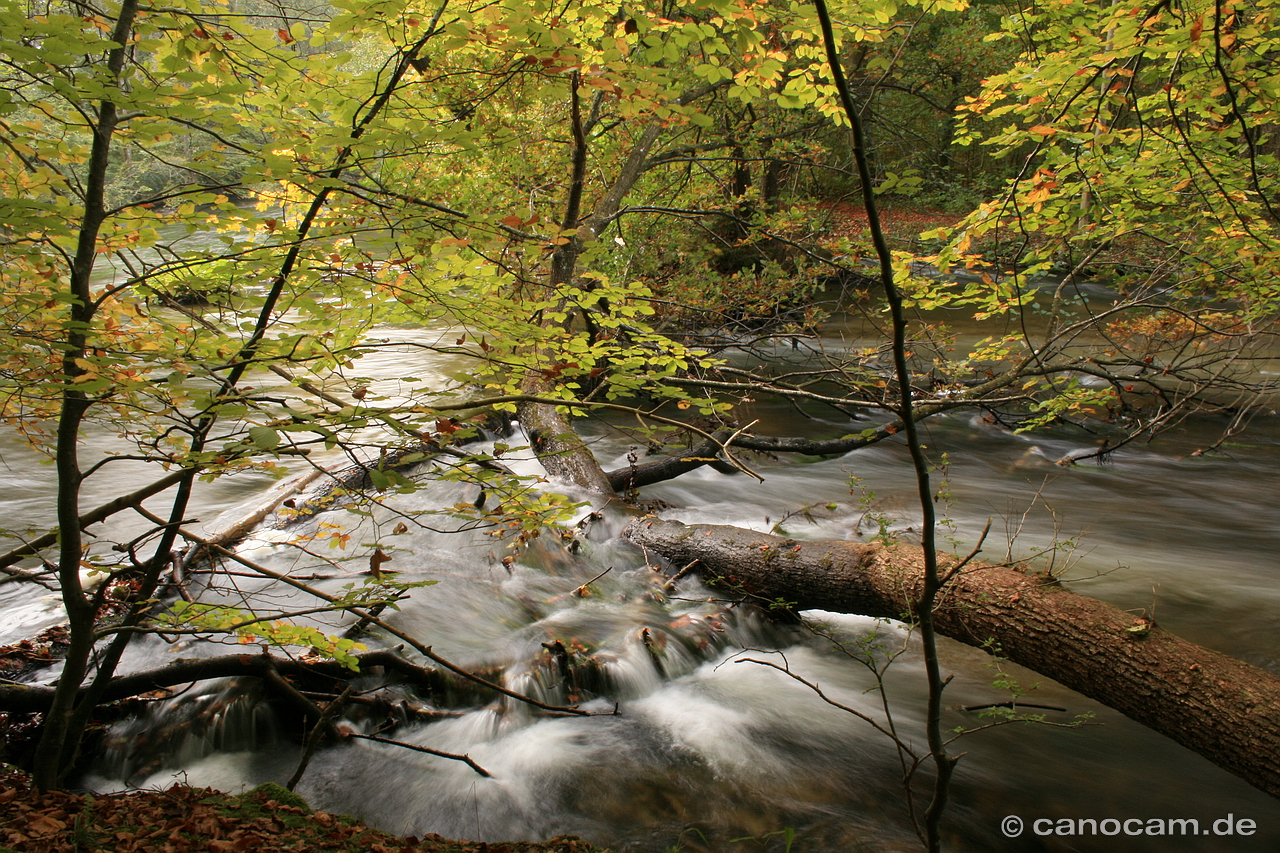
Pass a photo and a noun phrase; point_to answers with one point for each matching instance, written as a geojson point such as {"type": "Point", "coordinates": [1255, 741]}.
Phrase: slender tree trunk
{"type": "Point", "coordinates": [75, 404]}
{"type": "Point", "coordinates": [921, 607]}
{"type": "Point", "coordinates": [560, 450]}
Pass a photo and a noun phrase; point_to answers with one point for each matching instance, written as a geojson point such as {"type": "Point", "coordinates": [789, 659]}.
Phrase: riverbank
{"type": "Point", "coordinates": [902, 224]}
{"type": "Point", "coordinates": [905, 227]}
{"type": "Point", "coordinates": [195, 820]}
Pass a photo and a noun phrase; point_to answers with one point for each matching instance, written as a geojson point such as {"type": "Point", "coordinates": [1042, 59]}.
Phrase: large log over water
{"type": "Point", "coordinates": [1223, 708]}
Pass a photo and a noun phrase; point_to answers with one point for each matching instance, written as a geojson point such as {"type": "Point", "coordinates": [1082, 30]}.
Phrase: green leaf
{"type": "Point", "coordinates": [264, 438]}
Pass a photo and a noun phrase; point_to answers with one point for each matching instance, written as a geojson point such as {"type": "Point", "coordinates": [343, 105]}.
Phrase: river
{"type": "Point", "coordinates": [710, 751]}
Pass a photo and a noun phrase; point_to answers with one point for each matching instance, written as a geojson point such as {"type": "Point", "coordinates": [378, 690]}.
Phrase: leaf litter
{"type": "Point", "coordinates": [183, 819]}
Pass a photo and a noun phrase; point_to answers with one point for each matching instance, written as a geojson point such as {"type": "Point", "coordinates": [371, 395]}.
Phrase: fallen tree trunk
{"type": "Point", "coordinates": [37, 697]}
{"type": "Point", "coordinates": [1220, 707]}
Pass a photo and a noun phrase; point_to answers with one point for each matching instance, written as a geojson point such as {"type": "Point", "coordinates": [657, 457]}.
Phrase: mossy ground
{"type": "Point", "coordinates": [193, 820]}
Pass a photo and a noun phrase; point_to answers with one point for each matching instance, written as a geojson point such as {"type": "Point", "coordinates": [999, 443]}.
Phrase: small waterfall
{"type": "Point", "coordinates": [220, 716]}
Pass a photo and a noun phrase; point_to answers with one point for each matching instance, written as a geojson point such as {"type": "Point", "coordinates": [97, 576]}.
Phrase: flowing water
{"type": "Point", "coordinates": [710, 747]}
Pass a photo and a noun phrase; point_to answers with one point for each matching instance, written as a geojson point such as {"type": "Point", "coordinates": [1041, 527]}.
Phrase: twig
{"type": "Point", "coordinates": [731, 459]}
{"type": "Point", "coordinates": [671, 582]}
{"type": "Point", "coordinates": [323, 726]}
{"type": "Point", "coordinates": [977, 549]}
{"type": "Point", "coordinates": [582, 590]}
{"type": "Point", "coordinates": [1013, 705]}
{"type": "Point", "coordinates": [785, 670]}
{"type": "Point", "coordinates": [466, 759]}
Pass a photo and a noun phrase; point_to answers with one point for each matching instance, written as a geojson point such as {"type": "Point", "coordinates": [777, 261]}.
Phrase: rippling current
{"type": "Point", "coordinates": [710, 748]}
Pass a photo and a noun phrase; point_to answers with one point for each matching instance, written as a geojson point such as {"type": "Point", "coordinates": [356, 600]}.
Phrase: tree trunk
{"type": "Point", "coordinates": [561, 450]}
{"type": "Point", "coordinates": [1224, 709]}
{"type": "Point", "coordinates": [28, 698]}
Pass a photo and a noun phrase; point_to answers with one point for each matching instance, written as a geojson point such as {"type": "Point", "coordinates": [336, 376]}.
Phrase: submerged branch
{"type": "Point", "coordinates": [465, 759]}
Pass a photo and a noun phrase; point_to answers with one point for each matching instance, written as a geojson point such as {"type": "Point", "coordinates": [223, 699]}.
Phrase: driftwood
{"type": "Point", "coordinates": [34, 546]}
{"type": "Point", "coordinates": [665, 468]}
{"type": "Point", "coordinates": [1220, 707]}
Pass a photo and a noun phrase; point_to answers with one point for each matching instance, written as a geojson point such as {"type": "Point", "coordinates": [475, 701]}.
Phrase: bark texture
{"type": "Point", "coordinates": [561, 450]}
{"type": "Point", "coordinates": [1223, 708]}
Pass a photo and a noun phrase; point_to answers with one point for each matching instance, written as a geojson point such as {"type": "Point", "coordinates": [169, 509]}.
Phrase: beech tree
{"type": "Point", "coordinates": [1149, 140]}
{"type": "Point", "coordinates": [85, 85]}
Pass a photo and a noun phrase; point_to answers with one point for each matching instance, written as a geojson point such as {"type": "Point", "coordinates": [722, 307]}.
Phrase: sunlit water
{"type": "Point", "coordinates": [710, 748]}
